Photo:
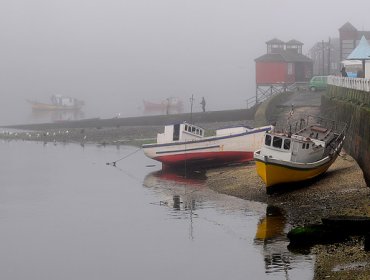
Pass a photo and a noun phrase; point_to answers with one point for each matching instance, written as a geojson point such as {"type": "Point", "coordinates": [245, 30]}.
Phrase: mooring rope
{"type": "Point", "coordinates": [126, 156]}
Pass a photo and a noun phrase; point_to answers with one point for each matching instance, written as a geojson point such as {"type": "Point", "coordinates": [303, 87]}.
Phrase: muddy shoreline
{"type": "Point", "coordinates": [340, 191]}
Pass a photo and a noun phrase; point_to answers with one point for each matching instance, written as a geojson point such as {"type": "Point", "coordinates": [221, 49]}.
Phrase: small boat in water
{"type": "Point", "coordinates": [170, 105]}
{"type": "Point", "coordinates": [185, 144]}
{"type": "Point", "coordinates": [287, 157]}
{"type": "Point", "coordinates": [58, 102]}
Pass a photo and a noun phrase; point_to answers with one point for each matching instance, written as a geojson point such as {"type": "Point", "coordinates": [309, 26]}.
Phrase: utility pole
{"type": "Point", "coordinates": [191, 108]}
{"type": "Point", "coordinates": [329, 49]}
{"type": "Point", "coordinates": [323, 58]}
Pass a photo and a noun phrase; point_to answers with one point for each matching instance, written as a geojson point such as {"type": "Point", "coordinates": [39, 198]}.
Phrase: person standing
{"type": "Point", "coordinates": [343, 71]}
{"type": "Point", "coordinates": [203, 103]}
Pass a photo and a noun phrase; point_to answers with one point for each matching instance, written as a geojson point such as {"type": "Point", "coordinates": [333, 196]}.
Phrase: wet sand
{"type": "Point", "coordinates": [340, 191]}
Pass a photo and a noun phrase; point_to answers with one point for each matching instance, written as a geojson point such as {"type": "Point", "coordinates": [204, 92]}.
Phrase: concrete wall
{"type": "Point", "coordinates": [266, 111]}
{"type": "Point", "coordinates": [351, 106]}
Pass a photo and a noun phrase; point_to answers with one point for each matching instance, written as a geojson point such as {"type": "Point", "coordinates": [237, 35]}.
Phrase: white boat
{"type": "Point", "coordinates": [185, 144]}
{"type": "Point", "coordinates": [287, 157]}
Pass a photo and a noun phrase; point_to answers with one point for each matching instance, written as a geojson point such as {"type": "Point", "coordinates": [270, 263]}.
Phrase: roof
{"type": "Point", "coordinates": [275, 41]}
{"type": "Point", "coordinates": [362, 51]}
{"type": "Point", "coordinates": [284, 56]}
{"type": "Point", "coordinates": [348, 27]}
{"type": "Point", "coordinates": [363, 33]}
{"type": "Point", "coordinates": [294, 42]}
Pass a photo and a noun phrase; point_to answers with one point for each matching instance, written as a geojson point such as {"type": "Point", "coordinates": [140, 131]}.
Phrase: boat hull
{"type": "Point", "coordinates": [209, 152]}
{"type": "Point", "coordinates": [51, 107]}
{"type": "Point", "coordinates": [274, 173]}
{"type": "Point", "coordinates": [205, 158]}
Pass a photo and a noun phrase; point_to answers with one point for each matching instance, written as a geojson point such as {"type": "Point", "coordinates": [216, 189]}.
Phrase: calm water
{"type": "Point", "coordinates": [65, 214]}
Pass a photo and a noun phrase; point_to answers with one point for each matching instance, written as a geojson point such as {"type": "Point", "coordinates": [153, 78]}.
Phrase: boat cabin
{"type": "Point", "coordinates": [296, 148]}
{"type": "Point", "coordinates": [179, 133]}
{"type": "Point", "coordinates": [60, 100]}
{"type": "Point", "coordinates": [232, 130]}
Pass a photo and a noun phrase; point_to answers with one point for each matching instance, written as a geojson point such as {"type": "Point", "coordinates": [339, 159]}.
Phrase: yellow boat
{"type": "Point", "coordinates": [287, 157]}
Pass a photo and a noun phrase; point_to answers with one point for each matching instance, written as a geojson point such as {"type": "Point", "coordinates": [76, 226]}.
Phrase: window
{"type": "Point", "coordinates": [290, 68]}
{"type": "Point", "coordinates": [286, 144]}
{"type": "Point", "coordinates": [305, 145]}
{"type": "Point", "coordinates": [276, 142]}
{"type": "Point", "coordinates": [186, 127]}
{"type": "Point", "coordinates": [268, 140]}
{"type": "Point", "coordinates": [176, 132]}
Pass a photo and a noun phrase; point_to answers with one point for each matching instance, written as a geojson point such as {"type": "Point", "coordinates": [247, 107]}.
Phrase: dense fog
{"type": "Point", "coordinates": [113, 54]}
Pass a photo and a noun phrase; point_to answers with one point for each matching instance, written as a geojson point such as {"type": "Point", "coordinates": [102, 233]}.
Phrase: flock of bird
{"type": "Point", "coordinates": [45, 136]}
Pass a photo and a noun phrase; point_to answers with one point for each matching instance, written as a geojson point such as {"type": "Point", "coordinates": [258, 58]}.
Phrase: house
{"type": "Point", "coordinates": [349, 37]}
{"type": "Point", "coordinates": [283, 64]}
{"type": "Point", "coordinates": [325, 57]}
{"type": "Point", "coordinates": [329, 56]}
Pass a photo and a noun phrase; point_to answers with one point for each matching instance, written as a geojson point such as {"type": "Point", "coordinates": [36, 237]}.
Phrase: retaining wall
{"type": "Point", "coordinates": [351, 106]}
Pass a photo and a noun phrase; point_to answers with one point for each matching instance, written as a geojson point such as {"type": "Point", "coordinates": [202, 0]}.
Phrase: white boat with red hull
{"type": "Point", "coordinates": [185, 144]}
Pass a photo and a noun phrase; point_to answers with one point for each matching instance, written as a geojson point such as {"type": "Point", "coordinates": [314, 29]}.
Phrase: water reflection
{"type": "Point", "coordinates": [271, 236]}
{"type": "Point", "coordinates": [180, 192]}
{"type": "Point", "coordinates": [102, 224]}
{"type": "Point", "coordinates": [56, 115]}
{"type": "Point", "coordinates": [179, 176]}
{"type": "Point", "coordinates": [271, 226]}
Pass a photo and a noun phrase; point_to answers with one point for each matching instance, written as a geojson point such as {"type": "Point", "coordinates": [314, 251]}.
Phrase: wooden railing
{"type": "Point", "coordinates": [352, 83]}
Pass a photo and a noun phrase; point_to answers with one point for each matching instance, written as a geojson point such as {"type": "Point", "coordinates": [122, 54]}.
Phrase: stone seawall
{"type": "Point", "coordinates": [351, 106]}
{"type": "Point", "coordinates": [156, 120]}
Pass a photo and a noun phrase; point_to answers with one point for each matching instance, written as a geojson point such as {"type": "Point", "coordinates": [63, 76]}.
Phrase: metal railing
{"type": "Point", "coordinates": [362, 84]}
{"type": "Point", "coordinates": [296, 123]}
{"type": "Point", "coordinates": [268, 90]}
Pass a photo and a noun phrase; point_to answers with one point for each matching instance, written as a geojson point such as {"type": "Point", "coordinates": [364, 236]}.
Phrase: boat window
{"type": "Point", "coordinates": [268, 140]}
{"type": "Point", "coordinates": [286, 144]}
{"type": "Point", "coordinates": [193, 129]}
{"type": "Point", "coordinates": [197, 132]}
{"type": "Point", "coordinates": [186, 127]}
{"type": "Point", "coordinates": [176, 132]}
{"type": "Point", "coordinates": [276, 142]}
{"type": "Point", "coordinates": [304, 146]}
{"type": "Point", "coordinates": [307, 146]}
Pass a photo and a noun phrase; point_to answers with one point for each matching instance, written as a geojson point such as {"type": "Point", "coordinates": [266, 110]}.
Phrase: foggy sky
{"type": "Point", "coordinates": [115, 53]}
